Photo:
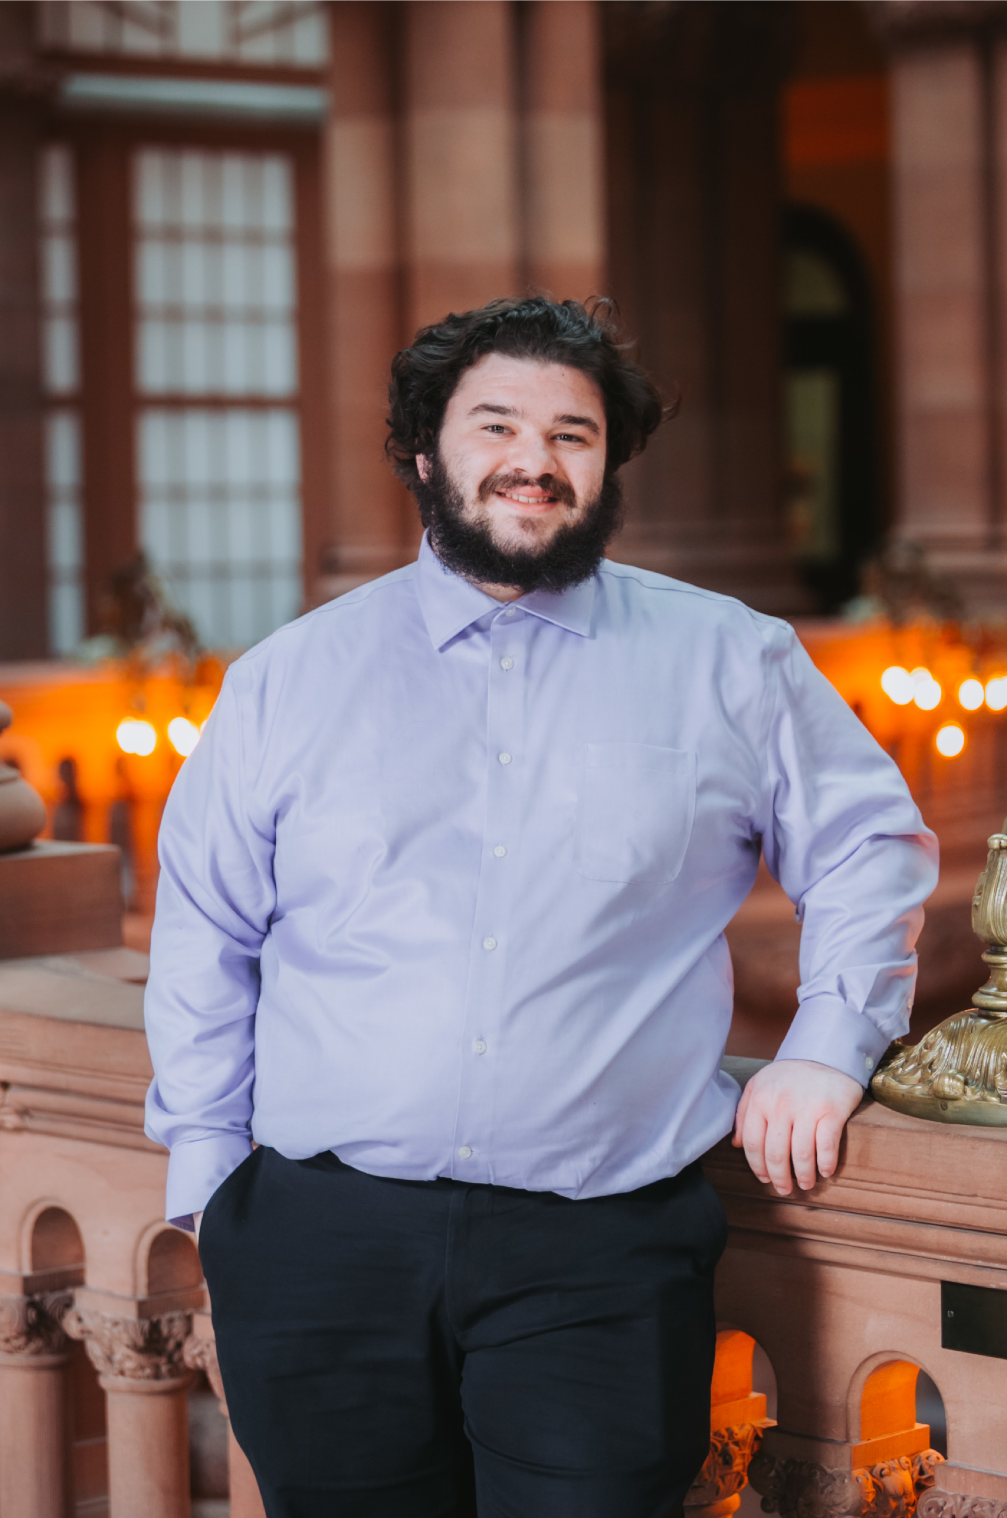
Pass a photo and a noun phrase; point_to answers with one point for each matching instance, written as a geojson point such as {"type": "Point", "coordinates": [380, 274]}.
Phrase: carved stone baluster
{"type": "Point", "coordinates": [34, 1450]}
{"type": "Point", "coordinates": [892, 1489]}
{"type": "Point", "coordinates": [716, 1491]}
{"type": "Point", "coordinates": [200, 1353]}
{"type": "Point", "coordinates": [141, 1368]}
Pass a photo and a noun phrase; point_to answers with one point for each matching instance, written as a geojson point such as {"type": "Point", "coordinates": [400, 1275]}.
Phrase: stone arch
{"type": "Point", "coordinates": [53, 1247]}
{"type": "Point", "coordinates": [882, 1406]}
{"type": "Point", "coordinates": [167, 1262]}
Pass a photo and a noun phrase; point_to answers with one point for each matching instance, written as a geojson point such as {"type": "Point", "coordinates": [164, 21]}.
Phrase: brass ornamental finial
{"type": "Point", "coordinates": [957, 1073]}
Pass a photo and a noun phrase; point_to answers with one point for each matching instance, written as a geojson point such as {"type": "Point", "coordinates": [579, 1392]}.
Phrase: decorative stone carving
{"type": "Point", "coordinates": [891, 1489]}
{"type": "Point", "coordinates": [958, 1505]}
{"type": "Point", "coordinates": [201, 1354]}
{"type": "Point", "coordinates": [32, 1326]}
{"type": "Point", "coordinates": [22, 810]}
{"type": "Point", "coordinates": [725, 1470]}
{"type": "Point", "coordinates": [133, 1349]}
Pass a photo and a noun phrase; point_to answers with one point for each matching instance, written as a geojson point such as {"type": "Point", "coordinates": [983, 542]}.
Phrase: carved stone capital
{"type": "Point", "coordinates": [133, 1349]}
{"type": "Point", "coordinates": [32, 1326]}
{"type": "Point", "coordinates": [201, 1354]}
{"type": "Point", "coordinates": [891, 1489]}
{"type": "Point", "coordinates": [725, 1470]}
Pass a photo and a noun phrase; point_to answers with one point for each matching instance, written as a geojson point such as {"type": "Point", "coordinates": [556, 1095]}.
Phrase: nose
{"type": "Point", "coordinates": [532, 455]}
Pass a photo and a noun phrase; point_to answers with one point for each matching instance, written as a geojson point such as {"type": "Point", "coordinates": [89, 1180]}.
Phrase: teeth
{"type": "Point", "coordinates": [527, 500]}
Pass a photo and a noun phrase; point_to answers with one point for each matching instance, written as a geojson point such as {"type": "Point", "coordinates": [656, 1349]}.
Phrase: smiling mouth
{"type": "Point", "coordinates": [528, 500]}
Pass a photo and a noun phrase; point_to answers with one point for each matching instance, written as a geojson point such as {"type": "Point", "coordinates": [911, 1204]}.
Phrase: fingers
{"type": "Point", "coordinates": [828, 1136]}
{"type": "Point", "coordinates": [739, 1118]}
{"type": "Point", "coordinates": [779, 1133]}
{"type": "Point", "coordinates": [803, 1150]}
{"type": "Point", "coordinates": [753, 1137]}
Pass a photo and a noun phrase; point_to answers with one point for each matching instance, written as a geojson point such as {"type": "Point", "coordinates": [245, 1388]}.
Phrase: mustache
{"type": "Point", "coordinates": [561, 489]}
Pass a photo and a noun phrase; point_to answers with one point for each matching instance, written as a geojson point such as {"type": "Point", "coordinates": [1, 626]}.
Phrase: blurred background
{"type": "Point", "coordinates": [220, 218]}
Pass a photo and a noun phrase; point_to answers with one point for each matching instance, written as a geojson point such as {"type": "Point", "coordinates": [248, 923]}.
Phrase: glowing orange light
{"type": "Point", "coordinates": [183, 735]}
{"type": "Point", "coordinates": [950, 740]}
{"type": "Point", "coordinates": [996, 693]}
{"type": "Point", "coordinates": [136, 737]}
{"type": "Point", "coordinates": [927, 693]}
{"type": "Point", "coordinates": [898, 685]}
{"type": "Point", "coordinates": [971, 694]}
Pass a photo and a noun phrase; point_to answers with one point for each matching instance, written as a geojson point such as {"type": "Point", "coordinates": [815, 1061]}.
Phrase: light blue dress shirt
{"type": "Point", "coordinates": [444, 884]}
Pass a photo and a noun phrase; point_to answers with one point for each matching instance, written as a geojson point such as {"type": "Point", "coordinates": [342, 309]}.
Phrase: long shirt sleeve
{"type": "Point", "coordinates": [444, 884]}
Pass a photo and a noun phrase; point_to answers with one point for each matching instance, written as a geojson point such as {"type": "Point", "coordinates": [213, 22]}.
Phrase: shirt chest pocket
{"type": "Point", "coordinates": [635, 808]}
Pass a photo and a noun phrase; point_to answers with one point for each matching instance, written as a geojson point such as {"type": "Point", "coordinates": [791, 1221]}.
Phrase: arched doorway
{"type": "Point", "coordinates": [829, 404]}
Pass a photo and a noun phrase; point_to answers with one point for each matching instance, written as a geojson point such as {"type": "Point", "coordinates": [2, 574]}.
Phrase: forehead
{"type": "Point", "coordinates": [531, 386]}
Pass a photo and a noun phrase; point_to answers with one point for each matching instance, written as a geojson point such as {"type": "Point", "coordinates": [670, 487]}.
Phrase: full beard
{"type": "Point", "coordinates": [467, 545]}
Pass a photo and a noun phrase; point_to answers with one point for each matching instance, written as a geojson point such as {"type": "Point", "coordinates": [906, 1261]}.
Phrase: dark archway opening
{"type": "Point", "coordinates": [830, 431]}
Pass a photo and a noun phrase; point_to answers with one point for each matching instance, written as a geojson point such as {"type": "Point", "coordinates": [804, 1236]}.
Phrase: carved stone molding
{"type": "Point", "coordinates": [891, 1489]}
{"type": "Point", "coordinates": [134, 1349]}
{"type": "Point", "coordinates": [201, 1354]}
{"type": "Point", "coordinates": [32, 1326]}
{"type": "Point", "coordinates": [938, 1504]}
{"type": "Point", "coordinates": [725, 1470]}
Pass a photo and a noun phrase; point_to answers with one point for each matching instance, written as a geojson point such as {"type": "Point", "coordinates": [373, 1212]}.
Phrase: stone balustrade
{"type": "Point", "coordinates": [105, 1326]}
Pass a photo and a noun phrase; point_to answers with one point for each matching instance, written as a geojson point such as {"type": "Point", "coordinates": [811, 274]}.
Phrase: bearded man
{"type": "Point", "coordinates": [440, 927]}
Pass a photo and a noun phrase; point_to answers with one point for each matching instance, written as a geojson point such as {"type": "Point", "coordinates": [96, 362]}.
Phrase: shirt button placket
{"type": "Point", "coordinates": [504, 727]}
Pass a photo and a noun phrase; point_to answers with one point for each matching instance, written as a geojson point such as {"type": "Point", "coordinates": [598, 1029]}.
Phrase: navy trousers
{"type": "Point", "coordinates": [437, 1349]}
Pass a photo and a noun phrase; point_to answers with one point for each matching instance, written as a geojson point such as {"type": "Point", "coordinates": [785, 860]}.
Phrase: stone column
{"type": "Point", "coordinates": [949, 182]}
{"type": "Point", "coordinates": [371, 517]}
{"type": "Point", "coordinates": [461, 233]}
{"type": "Point", "coordinates": [34, 1446]}
{"type": "Point", "coordinates": [142, 1371]}
{"type": "Point", "coordinates": [564, 206]}
{"type": "Point", "coordinates": [693, 188]}
{"type": "Point", "coordinates": [200, 1353]}
{"type": "Point", "coordinates": [23, 617]}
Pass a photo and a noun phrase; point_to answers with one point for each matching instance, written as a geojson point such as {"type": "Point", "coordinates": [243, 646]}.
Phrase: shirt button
{"type": "Point", "coordinates": [509, 612]}
{"type": "Point", "coordinates": [869, 1062]}
{"type": "Point", "coordinates": [465, 1153]}
{"type": "Point", "coordinates": [489, 943]}
{"type": "Point", "coordinates": [504, 758]}
{"type": "Point", "coordinates": [500, 851]}
{"type": "Point", "coordinates": [506, 663]}
{"type": "Point", "coordinates": [479, 1046]}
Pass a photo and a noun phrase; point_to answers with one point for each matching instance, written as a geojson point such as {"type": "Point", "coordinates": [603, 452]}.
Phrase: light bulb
{"type": "Point", "coordinates": [135, 736]}
{"type": "Point", "coordinates": [971, 694]}
{"type": "Point", "coordinates": [950, 740]}
{"type": "Point", "coordinates": [898, 685]}
{"type": "Point", "coordinates": [996, 693]}
{"type": "Point", "coordinates": [184, 735]}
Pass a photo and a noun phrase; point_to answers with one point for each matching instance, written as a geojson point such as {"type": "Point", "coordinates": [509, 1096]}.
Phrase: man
{"type": "Point", "coordinates": [440, 926]}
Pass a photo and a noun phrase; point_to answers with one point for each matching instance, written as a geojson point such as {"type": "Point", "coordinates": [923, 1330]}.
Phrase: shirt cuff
{"type": "Point", "coordinates": [197, 1167]}
{"type": "Point", "coordinates": [827, 1032]}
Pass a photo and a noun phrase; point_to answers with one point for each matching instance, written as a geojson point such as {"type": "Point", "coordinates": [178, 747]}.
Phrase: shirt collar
{"type": "Point", "coordinates": [450, 603]}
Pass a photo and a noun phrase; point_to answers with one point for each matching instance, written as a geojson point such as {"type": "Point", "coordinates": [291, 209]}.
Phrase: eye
{"type": "Point", "coordinates": [569, 437]}
{"type": "Point", "coordinates": [495, 427]}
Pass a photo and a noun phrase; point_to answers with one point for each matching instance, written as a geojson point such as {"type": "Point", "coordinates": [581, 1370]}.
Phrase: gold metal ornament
{"type": "Point", "coordinates": [957, 1073]}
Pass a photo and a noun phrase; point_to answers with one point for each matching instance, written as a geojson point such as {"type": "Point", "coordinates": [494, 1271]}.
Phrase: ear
{"type": "Point", "coordinates": [423, 467]}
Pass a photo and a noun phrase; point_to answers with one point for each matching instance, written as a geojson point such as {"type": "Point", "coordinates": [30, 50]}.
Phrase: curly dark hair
{"type": "Point", "coordinates": [561, 332]}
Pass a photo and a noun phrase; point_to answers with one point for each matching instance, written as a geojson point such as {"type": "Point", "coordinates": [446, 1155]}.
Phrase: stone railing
{"type": "Point", "coordinates": [104, 1322]}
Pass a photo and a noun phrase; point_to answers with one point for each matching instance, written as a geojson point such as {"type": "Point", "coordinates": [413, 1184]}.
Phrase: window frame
{"type": "Point", "coordinates": [110, 401]}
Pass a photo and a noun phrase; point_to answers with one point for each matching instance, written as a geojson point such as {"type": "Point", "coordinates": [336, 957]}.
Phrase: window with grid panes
{"type": "Point", "coordinates": [216, 376]}
{"type": "Point", "coordinates": [284, 32]}
{"type": "Point", "coordinates": [60, 335]}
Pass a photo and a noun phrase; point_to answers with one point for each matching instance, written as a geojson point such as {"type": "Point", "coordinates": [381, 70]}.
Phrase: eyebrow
{"type": "Point", "coordinates": [565, 420]}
